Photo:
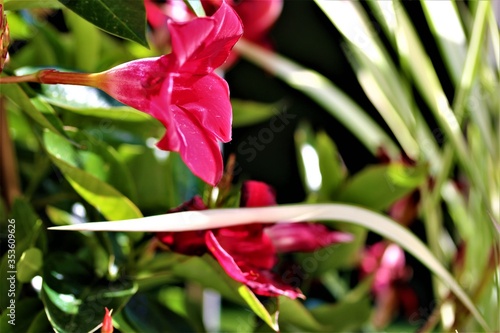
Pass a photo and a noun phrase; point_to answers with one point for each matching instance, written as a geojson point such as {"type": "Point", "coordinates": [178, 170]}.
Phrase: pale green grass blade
{"type": "Point", "coordinates": [472, 64]}
{"type": "Point", "coordinates": [383, 84]}
{"type": "Point", "coordinates": [321, 90]}
{"type": "Point", "coordinates": [418, 63]}
{"type": "Point", "coordinates": [388, 111]}
{"type": "Point", "coordinates": [218, 218]}
{"type": "Point", "coordinates": [445, 25]}
{"type": "Point", "coordinates": [349, 18]}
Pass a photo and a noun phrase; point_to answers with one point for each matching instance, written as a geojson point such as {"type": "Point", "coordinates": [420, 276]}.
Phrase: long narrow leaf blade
{"type": "Point", "coordinates": [217, 218]}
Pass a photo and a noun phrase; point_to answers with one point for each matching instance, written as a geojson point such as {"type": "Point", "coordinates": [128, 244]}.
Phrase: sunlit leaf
{"type": "Point", "coordinates": [42, 114]}
{"type": "Point", "coordinates": [30, 264]}
{"type": "Point", "coordinates": [379, 186]}
{"type": "Point", "coordinates": [109, 201]}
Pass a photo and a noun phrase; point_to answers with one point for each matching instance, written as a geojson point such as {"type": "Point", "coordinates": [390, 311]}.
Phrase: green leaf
{"type": "Point", "coordinates": [379, 186]}
{"type": "Point", "coordinates": [34, 108]}
{"type": "Point", "coordinates": [29, 265]}
{"type": "Point", "coordinates": [333, 170]}
{"type": "Point", "coordinates": [351, 313]}
{"type": "Point", "coordinates": [89, 101]}
{"type": "Point", "coordinates": [295, 313]}
{"type": "Point", "coordinates": [61, 217]}
{"type": "Point", "coordinates": [157, 318]}
{"type": "Point", "coordinates": [320, 165]}
{"type": "Point", "coordinates": [207, 271]}
{"type": "Point", "coordinates": [109, 201]}
{"type": "Point", "coordinates": [102, 161]}
{"type": "Point", "coordinates": [246, 113]}
{"type": "Point", "coordinates": [75, 299]}
{"type": "Point", "coordinates": [87, 42]}
{"type": "Point", "coordinates": [126, 18]}
{"type": "Point", "coordinates": [196, 7]}
{"type": "Point", "coordinates": [26, 311]}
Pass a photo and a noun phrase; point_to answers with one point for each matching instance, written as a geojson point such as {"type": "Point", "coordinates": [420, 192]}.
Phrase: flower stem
{"type": "Point", "coordinates": [52, 76]}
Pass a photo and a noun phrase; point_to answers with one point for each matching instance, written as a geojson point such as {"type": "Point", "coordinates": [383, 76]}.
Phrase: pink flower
{"type": "Point", "coordinates": [387, 263]}
{"type": "Point", "coordinates": [181, 90]}
{"type": "Point", "coordinates": [248, 253]}
{"type": "Point", "coordinates": [258, 17]}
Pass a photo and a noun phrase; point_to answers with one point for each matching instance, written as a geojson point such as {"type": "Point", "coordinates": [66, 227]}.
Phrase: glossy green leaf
{"type": "Point", "coordinates": [207, 271]}
{"type": "Point", "coordinates": [246, 113]}
{"type": "Point", "coordinates": [89, 101]}
{"type": "Point", "coordinates": [351, 313]}
{"type": "Point", "coordinates": [126, 19]}
{"type": "Point", "coordinates": [75, 299]}
{"type": "Point", "coordinates": [379, 186]}
{"type": "Point", "coordinates": [38, 111]}
{"type": "Point", "coordinates": [109, 201]}
{"type": "Point", "coordinates": [102, 161]}
{"type": "Point", "coordinates": [157, 318]}
{"type": "Point", "coordinates": [61, 217]}
{"type": "Point", "coordinates": [29, 264]}
{"type": "Point", "coordinates": [295, 313]}
{"type": "Point", "coordinates": [162, 179]}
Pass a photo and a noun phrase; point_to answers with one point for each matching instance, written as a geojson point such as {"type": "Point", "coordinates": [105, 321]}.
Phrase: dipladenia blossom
{"type": "Point", "coordinates": [179, 89]}
{"type": "Point", "coordinates": [258, 17]}
{"type": "Point", "coordinates": [248, 253]}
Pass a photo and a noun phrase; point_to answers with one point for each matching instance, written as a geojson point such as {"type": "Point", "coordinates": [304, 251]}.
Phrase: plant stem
{"type": "Point", "coordinates": [52, 76]}
{"type": "Point", "coordinates": [9, 178]}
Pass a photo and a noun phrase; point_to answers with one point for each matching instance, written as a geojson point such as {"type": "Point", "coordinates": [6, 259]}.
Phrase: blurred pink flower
{"type": "Point", "coordinates": [387, 263]}
{"type": "Point", "coordinates": [181, 90]}
{"type": "Point", "coordinates": [248, 253]}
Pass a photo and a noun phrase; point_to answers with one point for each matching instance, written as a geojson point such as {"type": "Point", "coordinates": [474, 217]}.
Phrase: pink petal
{"type": "Point", "coordinates": [248, 245]}
{"type": "Point", "coordinates": [304, 237]}
{"type": "Point", "coordinates": [207, 99]}
{"type": "Point", "coordinates": [154, 14]}
{"type": "Point", "coordinates": [260, 281]}
{"type": "Point", "coordinates": [257, 194]}
{"type": "Point", "coordinates": [197, 147]}
{"type": "Point", "coordinates": [200, 46]}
